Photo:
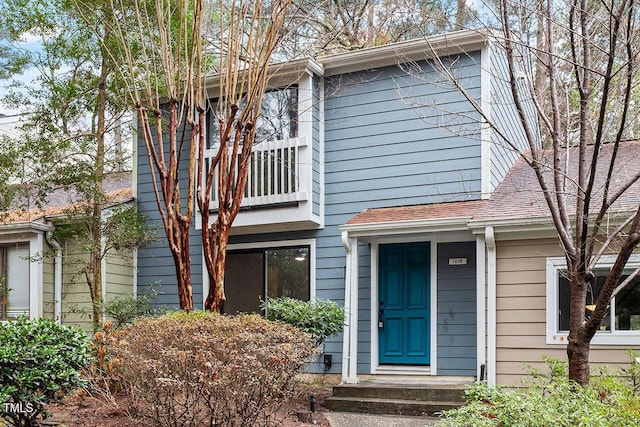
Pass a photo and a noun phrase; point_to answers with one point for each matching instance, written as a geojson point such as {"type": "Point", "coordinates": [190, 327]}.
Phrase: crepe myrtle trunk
{"type": "Point", "coordinates": [182, 261]}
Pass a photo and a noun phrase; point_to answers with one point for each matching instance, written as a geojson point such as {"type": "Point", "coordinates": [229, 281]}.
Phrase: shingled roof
{"type": "Point", "coordinates": [519, 195]}
{"type": "Point", "coordinates": [117, 187]}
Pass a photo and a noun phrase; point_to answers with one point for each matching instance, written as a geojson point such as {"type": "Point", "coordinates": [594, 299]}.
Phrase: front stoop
{"type": "Point", "coordinates": [372, 397]}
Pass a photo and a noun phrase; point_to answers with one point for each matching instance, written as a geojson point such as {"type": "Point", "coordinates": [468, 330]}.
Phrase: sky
{"type": "Point", "coordinates": [31, 43]}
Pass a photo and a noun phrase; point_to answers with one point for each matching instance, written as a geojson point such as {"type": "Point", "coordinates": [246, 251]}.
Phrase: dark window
{"type": "Point", "coordinates": [626, 302]}
{"type": "Point", "coordinates": [278, 117]}
{"type": "Point", "coordinates": [278, 272]}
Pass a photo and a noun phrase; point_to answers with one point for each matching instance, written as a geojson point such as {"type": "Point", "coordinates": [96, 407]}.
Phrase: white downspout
{"type": "Point", "coordinates": [481, 307]}
{"type": "Point", "coordinates": [347, 308]}
{"type": "Point", "coordinates": [350, 335]}
{"type": "Point", "coordinates": [57, 277]}
{"type": "Point", "coordinates": [491, 305]}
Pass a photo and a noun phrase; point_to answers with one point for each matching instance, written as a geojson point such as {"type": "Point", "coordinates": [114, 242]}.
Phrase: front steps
{"type": "Point", "coordinates": [398, 397]}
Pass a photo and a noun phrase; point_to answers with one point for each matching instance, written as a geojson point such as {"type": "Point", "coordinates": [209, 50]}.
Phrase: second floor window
{"type": "Point", "coordinates": [278, 117]}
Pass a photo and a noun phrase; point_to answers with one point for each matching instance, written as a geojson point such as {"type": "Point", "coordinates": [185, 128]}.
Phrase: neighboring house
{"type": "Point", "coordinates": [382, 190]}
{"type": "Point", "coordinates": [42, 277]}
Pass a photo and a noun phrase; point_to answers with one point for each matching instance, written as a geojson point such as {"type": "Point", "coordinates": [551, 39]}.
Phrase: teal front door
{"type": "Point", "coordinates": [404, 304]}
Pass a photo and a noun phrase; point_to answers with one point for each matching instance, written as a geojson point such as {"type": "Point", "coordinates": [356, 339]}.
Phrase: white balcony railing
{"type": "Point", "coordinates": [279, 172]}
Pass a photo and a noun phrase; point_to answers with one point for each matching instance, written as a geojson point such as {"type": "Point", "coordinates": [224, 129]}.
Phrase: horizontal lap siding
{"type": "Point", "coordinates": [505, 118]}
{"type": "Point", "coordinates": [521, 312]}
{"type": "Point", "coordinates": [387, 145]}
{"type": "Point", "coordinates": [316, 149]}
{"type": "Point", "coordinates": [155, 264]}
{"type": "Point", "coordinates": [119, 274]}
{"type": "Point", "coordinates": [387, 142]}
{"type": "Point", "coordinates": [48, 298]}
{"type": "Point", "coordinates": [456, 302]}
{"type": "Point", "coordinates": [76, 299]}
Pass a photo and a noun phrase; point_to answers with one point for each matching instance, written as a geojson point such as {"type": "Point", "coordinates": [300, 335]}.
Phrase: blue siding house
{"type": "Point", "coordinates": [362, 193]}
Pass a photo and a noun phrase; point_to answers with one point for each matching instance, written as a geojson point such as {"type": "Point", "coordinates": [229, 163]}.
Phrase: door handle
{"type": "Point", "coordinates": [381, 318]}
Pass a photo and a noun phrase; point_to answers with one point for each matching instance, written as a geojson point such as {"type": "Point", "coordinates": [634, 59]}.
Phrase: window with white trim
{"type": "Point", "coordinates": [14, 281]}
{"type": "Point", "coordinates": [621, 326]}
{"type": "Point", "coordinates": [278, 118]}
{"type": "Point", "coordinates": [275, 272]}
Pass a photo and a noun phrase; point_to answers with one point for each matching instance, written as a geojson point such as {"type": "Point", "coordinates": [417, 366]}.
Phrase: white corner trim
{"type": "Point", "coordinates": [491, 305]}
{"type": "Point", "coordinates": [485, 125]}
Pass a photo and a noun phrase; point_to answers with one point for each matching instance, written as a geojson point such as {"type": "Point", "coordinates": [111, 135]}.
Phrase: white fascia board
{"type": "Point", "coordinates": [380, 56]}
{"type": "Point", "coordinates": [533, 227]}
{"type": "Point", "coordinates": [280, 74]}
{"type": "Point", "coordinates": [406, 227]}
{"type": "Point", "coordinates": [25, 227]}
{"type": "Point", "coordinates": [515, 228]}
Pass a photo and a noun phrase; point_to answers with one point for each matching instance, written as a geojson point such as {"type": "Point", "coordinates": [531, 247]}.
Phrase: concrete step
{"type": "Point", "coordinates": [388, 406]}
{"type": "Point", "coordinates": [428, 392]}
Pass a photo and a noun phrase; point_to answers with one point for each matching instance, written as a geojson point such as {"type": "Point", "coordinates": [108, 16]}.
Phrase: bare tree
{"type": "Point", "coordinates": [331, 26]}
{"type": "Point", "coordinates": [248, 40]}
{"type": "Point", "coordinates": [589, 90]}
{"type": "Point", "coordinates": [169, 52]}
{"type": "Point", "coordinates": [161, 54]}
{"type": "Point", "coordinates": [572, 69]}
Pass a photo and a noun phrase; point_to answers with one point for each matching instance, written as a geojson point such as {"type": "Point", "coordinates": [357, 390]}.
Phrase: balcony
{"type": "Point", "coordinates": [278, 193]}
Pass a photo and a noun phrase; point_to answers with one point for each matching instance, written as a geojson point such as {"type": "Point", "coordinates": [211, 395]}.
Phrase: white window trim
{"type": "Point", "coordinates": [35, 242]}
{"type": "Point", "coordinates": [554, 264]}
{"type": "Point", "coordinates": [270, 244]}
{"type": "Point", "coordinates": [301, 215]}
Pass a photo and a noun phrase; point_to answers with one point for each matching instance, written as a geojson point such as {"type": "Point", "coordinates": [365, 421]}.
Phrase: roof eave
{"type": "Point", "coordinates": [379, 56]}
{"type": "Point", "coordinates": [37, 226]}
{"type": "Point", "coordinates": [280, 74]}
{"type": "Point", "coordinates": [406, 227]}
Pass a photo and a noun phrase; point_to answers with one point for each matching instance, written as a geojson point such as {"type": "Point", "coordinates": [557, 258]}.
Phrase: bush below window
{"type": "Point", "coordinates": [320, 318]}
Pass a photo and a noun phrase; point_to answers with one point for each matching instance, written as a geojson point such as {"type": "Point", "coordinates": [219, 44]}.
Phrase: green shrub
{"type": "Point", "coordinates": [206, 369]}
{"type": "Point", "coordinates": [550, 399]}
{"type": "Point", "coordinates": [321, 318]}
{"type": "Point", "coordinates": [125, 309]}
{"type": "Point", "coordinates": [40, 362]}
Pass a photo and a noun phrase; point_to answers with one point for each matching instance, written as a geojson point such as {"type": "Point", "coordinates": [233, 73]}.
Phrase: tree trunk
{"type": "Point", "coordinates": [96, 214]}
{"type": "Point", "coordinates": [578, 355]}
{"type": "Point", "coordinates": [216, 298]}
{"type": "Point", "coordinates": [182, 261]}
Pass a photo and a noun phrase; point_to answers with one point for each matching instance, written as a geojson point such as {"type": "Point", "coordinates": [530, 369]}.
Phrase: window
{"type": "Point", "coordinates": [278, 117]}
{"type": "Point", "coordinates": [620, 326]}
{"type": "Point", "coordinates": [276, 271]}
{"type": "Point", "coordinates": [14, 281]}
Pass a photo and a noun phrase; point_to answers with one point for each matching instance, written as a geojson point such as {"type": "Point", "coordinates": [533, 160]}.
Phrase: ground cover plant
{"type": "Point", "coordinates": [40, 362]}
{"type": "Point", "coordinates": [550, 399]}
{"type": "Point", "coordinates": [193, 369]}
